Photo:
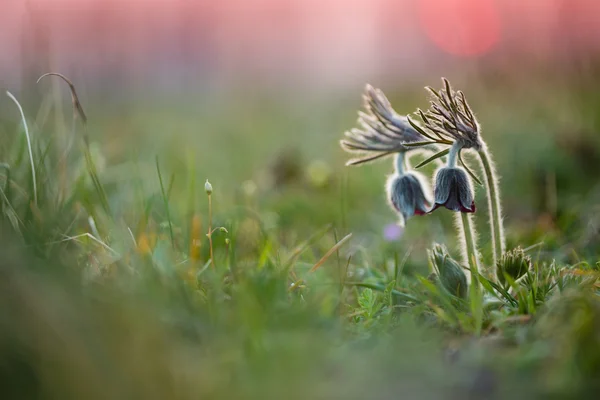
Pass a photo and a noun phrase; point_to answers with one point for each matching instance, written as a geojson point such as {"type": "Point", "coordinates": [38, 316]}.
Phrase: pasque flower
{"type": "Point", "coordinates": [408, 192]}
{"type": "Point", "coordinates": [451, 121]}
{"type": "Point", "coordinates": [451, 117]}
{"type": "Point", "coordinates": [453, 190]}
{"type": "Point", "coordinates": [408, 195]}
{"type": "Point", "coordinates": [452, 186]}
{"type": "Point", "coordinates": [382, 131]}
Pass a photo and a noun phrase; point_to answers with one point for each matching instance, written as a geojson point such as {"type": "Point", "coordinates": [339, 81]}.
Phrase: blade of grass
{"type": "Point", "coordinates": [166, 203]}
{"type": "Point", "coordinates": [466, 167]}
{"type": "Point", "coordinates": [78, 112]}
{"type": "Point", "coordinates": [33, 178]}
{"type": "Point", "coordinates": [330, 252]}
{"type": "Point", "coordinates": [381, 288]}
{"type": "Point", "coordinates": [304, 245]}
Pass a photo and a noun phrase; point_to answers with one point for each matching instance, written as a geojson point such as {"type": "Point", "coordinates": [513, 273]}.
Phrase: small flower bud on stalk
{"type": "Point", "coordinates": [208, 188]}
{"type": "Point", "coordinates": [514, 263]}
{"type": "Point", "coordinates": [450, 272]}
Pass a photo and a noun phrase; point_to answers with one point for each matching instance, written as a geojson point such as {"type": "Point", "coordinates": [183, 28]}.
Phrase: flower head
{"type": "Point", "coordinates": [453, 190]}
{"type": "Point", "coordinates": [451, 117]}
{"type": "Point", "coordinates": [382, 131]}
{"type": "Point", "coordinates": [408, 195]}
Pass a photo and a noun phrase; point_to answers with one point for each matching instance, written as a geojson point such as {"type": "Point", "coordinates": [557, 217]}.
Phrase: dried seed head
{"type": "Point", "coordinates": [514, 263]}
{"type": "Point", "coordinates": [450, 272]}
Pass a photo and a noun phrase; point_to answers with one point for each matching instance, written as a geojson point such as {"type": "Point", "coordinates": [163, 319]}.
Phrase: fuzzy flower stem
{"type": "Point", "coordinates": [493, 195]}
{"type": "Point", "coordinates": [473, 261]}
{"type": "Point", "coordinates": [400, 163]}
{"type": "Point", "coordinates": [470, 245]}
{"type": "Point", "coordinates": [453, 154]}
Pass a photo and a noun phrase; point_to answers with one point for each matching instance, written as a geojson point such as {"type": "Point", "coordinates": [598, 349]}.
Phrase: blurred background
{"type": "Point", "coordinates": [299, 44]}
{"type": "Point", "coordinates": [293, 43]}
{"type": "Point", "coordinates": [255, 95]}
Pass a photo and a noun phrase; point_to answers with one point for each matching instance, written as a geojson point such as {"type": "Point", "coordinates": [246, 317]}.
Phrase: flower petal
{"type": "Point", "coordinates": [443, 184]}
{"type": "Point", "coordinates": [407, 195]}
{"type": "Point", "coordinates": [453, 190]}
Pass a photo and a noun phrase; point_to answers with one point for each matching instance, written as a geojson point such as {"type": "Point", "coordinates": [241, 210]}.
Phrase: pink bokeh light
{"type": "Point", "coordinates": [331, 41]}
{"type": "Point", "coordinates": [461, 27]}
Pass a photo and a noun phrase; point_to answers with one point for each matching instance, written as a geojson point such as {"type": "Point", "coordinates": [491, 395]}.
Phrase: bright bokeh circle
{"type": "Point", "coordinates": [461, 27]}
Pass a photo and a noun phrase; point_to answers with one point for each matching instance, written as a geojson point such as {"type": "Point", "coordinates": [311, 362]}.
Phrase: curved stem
{"type": "Point", "coordinates": [494, 210]}
{"type": "Point", "coordinates": [401, 163]}
{"type": "Point", "coordinates": [453, 154]}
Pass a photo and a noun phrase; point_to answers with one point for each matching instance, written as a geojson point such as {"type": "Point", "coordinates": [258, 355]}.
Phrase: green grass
{"type": "Point", "coordinates": [108, 289]}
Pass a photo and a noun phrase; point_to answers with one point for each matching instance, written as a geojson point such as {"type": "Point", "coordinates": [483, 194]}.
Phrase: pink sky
{"type": "Point", "coordinates": [324, 39]}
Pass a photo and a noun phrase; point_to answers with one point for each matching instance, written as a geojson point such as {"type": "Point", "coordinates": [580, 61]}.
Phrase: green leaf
{"type": "Point", "coordinates": [433, 91]}
{"type": "Point", "coordinates": [493, 287]}
{"type": "Point", "coordinates": [475, 178]}
{"type": "Point", "coordinates": [419, 144]}
{"type": "Point", "coordinates": [366, 301]}
{"type": "Point", "coordinates": [419, 129]}
{"type": "Point", "coordinates": [381, 288]}
{"type": "Point", "coordinates": [433, 157]}
{"type": "Point", "coordinates": [423, 117]}
{"type": "Point", "coordinates": [449, 93]}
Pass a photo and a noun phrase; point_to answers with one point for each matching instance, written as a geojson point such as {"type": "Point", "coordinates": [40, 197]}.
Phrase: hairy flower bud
{"type": "Point", "coordinates": [453, 190]}
{"type": "Point", "coordinates": [450, 272]}
{"type": "Point", "coordinates": [408, 194]}
{"type": "Point", "coordinates": [514, 263]}
{"type": "Point", "coordinates": [208, 187]}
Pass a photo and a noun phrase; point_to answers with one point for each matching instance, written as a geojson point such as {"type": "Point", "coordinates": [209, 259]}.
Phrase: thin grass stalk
{"type": "Point", "coordinates": [210, 232]}
{"type": "Point", "coordinates": [166, 203]}
{"type": "Point", "coordinates": [33, 177]}
{"type": "Point", "coordinates": [78, 112]}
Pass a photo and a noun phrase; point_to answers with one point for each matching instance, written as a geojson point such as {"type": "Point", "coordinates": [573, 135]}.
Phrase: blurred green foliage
{"type": "Point", "coordinates": [124, 303]}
